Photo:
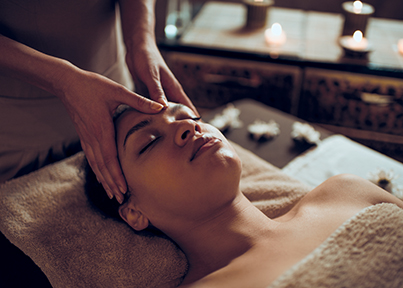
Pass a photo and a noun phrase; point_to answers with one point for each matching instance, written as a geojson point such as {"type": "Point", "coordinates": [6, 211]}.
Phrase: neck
{"type": "Point", "coordinates": [214, 242]}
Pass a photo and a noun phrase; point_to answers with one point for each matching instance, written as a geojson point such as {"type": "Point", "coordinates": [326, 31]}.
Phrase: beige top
{"type": "Point", "coordinates": [81, 31]}
{"type": "Point", "coordinates": [35, 128]}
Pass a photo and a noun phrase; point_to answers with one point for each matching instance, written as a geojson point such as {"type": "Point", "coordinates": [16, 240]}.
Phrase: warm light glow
{"type": "Point", "coordinates": [357, 6]}
{"type": "Point", "coordinates": [171, 31]}
{"type": "Point", "coordinates": [276, 29]}
{"type": "Point", "coordinates": [357, 42]}
{"type": "Point", "coordinates": [258, 1]}
{"type": "Point", "coordinates": [275, 36]}
{"type": "Point", "coordinates": [400, 46]}
{"type": "Point", "coordinates": [357, 36]}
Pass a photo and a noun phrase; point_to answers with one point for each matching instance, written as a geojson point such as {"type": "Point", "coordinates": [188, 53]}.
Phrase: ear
{"type": "Point", "coordinates": [135, 218]}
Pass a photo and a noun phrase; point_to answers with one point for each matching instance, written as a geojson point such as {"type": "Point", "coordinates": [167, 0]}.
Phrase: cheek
{"type": "Point", "coordinates": [158, 177]}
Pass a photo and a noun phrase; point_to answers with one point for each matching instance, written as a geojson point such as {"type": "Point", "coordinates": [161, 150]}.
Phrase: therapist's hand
{"type": "Point", "coordinates": [151, 74]}
{"type": "Point", "coordinates": [91, 101]}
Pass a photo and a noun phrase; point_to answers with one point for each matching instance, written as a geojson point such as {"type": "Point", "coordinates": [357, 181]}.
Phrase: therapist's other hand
{"type": "Point", "coordinates": [91, 100]}
{"type": "Point", "coordinates": [151, 74]}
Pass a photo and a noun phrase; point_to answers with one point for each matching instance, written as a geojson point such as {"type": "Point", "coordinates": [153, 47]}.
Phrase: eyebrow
{"type": "Point", "coordinates": [136, 128]}
{"type": "Point", "coordinates": [174, 109]}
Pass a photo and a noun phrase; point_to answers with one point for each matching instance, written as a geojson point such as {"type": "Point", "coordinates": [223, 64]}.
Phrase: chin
{"type": "Point", "coordinates": [226, 173]}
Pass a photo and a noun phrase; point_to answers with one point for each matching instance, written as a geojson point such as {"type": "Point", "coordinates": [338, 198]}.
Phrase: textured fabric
{"type": "Point", "coordinates": [35, 128]}
{"type": "Point", "coordinates": [83, 32]}
{"type": "Point", "coordinates": [366, 251]}
{"type": "Point", "coordinates": [33, 132]}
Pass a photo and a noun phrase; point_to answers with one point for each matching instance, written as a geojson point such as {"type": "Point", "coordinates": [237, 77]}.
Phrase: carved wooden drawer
{"type": "Point", "coordinates": [212, 81]}
{"type": "Point", "coordinates": [368, 109]}
{"type": "Point", "coordinates": [352, 100]}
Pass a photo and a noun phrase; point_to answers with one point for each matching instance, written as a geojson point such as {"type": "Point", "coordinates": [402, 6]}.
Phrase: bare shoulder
{"type": "Point", "coordinates": [348, 188]}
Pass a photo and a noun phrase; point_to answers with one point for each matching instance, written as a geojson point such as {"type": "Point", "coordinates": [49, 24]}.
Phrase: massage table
{"type": "Point", "coordinates": [47, 216]}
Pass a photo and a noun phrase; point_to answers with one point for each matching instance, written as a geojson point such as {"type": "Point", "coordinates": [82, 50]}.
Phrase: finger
{"type": "Point", "coordinates": [174, 90]}
{"type": "Point", "coordinates": [91, 160]}
{"type": "Point", "coordinates": [141, 103]}
{"type": "Point", "coordinates": [140, 87]}
{"type": "Point", "coordinates": [109, 170]}
{"type": "Point", "coordinates": [153, 83]}
{"type": "Point", "coordinates": [105, 170]}
{"type": "Point", "coordinates": [108, 163]}
{"type": "Point", "coordinates": [157, 93]}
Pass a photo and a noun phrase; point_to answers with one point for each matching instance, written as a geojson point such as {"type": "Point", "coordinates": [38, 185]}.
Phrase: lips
{"type": "Point", "coordinates": [201, 143]}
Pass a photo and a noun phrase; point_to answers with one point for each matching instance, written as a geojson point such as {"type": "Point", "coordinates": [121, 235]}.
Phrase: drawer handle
{"type": "Point", "coordinates": [377, 99]}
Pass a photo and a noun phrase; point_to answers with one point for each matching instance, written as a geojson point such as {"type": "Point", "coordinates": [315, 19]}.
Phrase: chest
{"type": "Point", "coordinates": [294, 240]}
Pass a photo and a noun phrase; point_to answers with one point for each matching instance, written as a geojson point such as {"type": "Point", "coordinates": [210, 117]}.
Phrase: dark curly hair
{"type": "Point", "coordinates": [97, 195]}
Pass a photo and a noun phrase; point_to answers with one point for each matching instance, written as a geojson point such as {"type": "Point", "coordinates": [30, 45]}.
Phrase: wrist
{"type": "Point", "coordinates": [60, 77]}
{"type": "Point", "coordinates": [138, 21]}
{"type": "Point", "coordinates": [139, 40]}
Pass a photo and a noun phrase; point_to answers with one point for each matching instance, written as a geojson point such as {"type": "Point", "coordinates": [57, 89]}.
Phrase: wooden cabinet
{"type": "Point", "coordinates": [368, 109]}
{"type": "Point", "coordinates": [213, 81]}
{"type": "Point", "coordinates": [364, 102]}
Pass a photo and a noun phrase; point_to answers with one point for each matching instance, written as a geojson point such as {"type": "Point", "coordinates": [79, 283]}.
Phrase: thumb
{"type": "Point", "coordinates": [156, 92]}
{"type": "Point", "coordinates": [141, 103]}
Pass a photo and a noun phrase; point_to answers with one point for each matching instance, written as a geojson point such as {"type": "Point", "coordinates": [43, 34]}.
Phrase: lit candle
{"type": "Point", "coordinates": [400, 46]}
{"type": "Point", "coordinates": [356, 15]}
{"type": "Point", "coordinates": [171, 31]}
{"type": "Point", "coordinates": [356, 45]}
{"type": "Point", "coordinates": [256, 13]}
{"type": "Point", "coordinates": [357, 6]}
{"type": "Point", "coordinates": [357, 42]}
{"type": "Point", "coordinates": [275, 35]}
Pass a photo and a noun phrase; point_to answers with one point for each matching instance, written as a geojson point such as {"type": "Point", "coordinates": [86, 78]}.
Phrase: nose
{"type": "Point", "coordinates": [185, 130]}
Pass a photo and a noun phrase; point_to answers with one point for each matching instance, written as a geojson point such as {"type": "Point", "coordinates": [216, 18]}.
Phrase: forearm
{"type": "Point", "coordinates": [24, 63]}
{"type": "Point", "coordinates": [138, 21]}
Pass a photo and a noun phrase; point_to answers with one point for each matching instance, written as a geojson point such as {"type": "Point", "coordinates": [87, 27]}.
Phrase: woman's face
{"type": "Point", "coordinates": [175, 164]}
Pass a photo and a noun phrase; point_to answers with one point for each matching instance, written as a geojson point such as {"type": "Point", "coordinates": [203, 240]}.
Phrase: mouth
{"type": "Point", "coordinates": [202, 144]}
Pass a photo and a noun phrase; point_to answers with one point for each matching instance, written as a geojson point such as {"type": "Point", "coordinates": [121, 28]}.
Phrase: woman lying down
{"type": "Point", "coordinates": [183, 178]}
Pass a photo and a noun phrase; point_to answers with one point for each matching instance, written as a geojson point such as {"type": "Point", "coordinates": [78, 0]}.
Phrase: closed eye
{"type": "Point", "coordinates": [150, 144]}
{"type": "Point", "coordinates": [196, 118]}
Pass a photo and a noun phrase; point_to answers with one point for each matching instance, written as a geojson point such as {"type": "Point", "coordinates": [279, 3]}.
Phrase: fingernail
{"type": "Point", "coordinates": [164, 102]}
{"type": "Point", "coordinates": [119, 198]}
{"type": "Point", "coordinates": [123, 190]}
{"type": "Point", "coordinates": [156, 106]}
{"type": "Point", "coordinates": [108, 192]}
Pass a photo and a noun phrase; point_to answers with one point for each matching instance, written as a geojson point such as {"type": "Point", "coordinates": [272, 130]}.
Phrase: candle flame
{"type": "Point", "coordinates": [357, 6]}
{"type": "Point", "coordinates": [357, 36]}
{"type": "Point", "coordinates": [276, 29]}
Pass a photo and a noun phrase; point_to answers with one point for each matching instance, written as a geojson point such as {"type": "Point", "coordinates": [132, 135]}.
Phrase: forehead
{"type": "Point", "coordinates": [132, 114]}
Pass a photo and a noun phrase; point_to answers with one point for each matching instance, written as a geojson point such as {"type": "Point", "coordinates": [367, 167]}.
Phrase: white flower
{"type": "Point", "coordinates": [383, 179]}
{"type": "Point", "coordinates": [229, 118]}
{"type": "Point", "coordinates": [305, 132]}
{"type": "Point", "coordinates": [260, 129]}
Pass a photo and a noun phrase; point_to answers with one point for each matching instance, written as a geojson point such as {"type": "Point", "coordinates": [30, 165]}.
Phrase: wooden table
{"type": "Point", "coordinates": [311, 36]}
{"type": "Point", "coordinates": [279, 150]}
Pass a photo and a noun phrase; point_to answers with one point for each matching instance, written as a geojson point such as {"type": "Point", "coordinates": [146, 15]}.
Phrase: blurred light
{"type": "Point", "coordinates": [357, 36]}
{"type": "Point", "coordinates": [171, 31]}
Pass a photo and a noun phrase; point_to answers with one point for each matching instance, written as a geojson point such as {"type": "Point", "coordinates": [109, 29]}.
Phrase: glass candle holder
{"type": "Point", "coordinates": [356, 15]}
{"type": "Point", "coordinates": [256, 13]}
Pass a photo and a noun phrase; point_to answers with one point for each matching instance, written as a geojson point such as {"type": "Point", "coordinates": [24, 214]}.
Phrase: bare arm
{"type": "Point", "coordinates": [90, 100]}
{"type": "Point", "coordinates": [351, 189]}
{"type": "Point", "coordinates": [149, 70]}
{"type": "Point", "coordinates": [368, 190]}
